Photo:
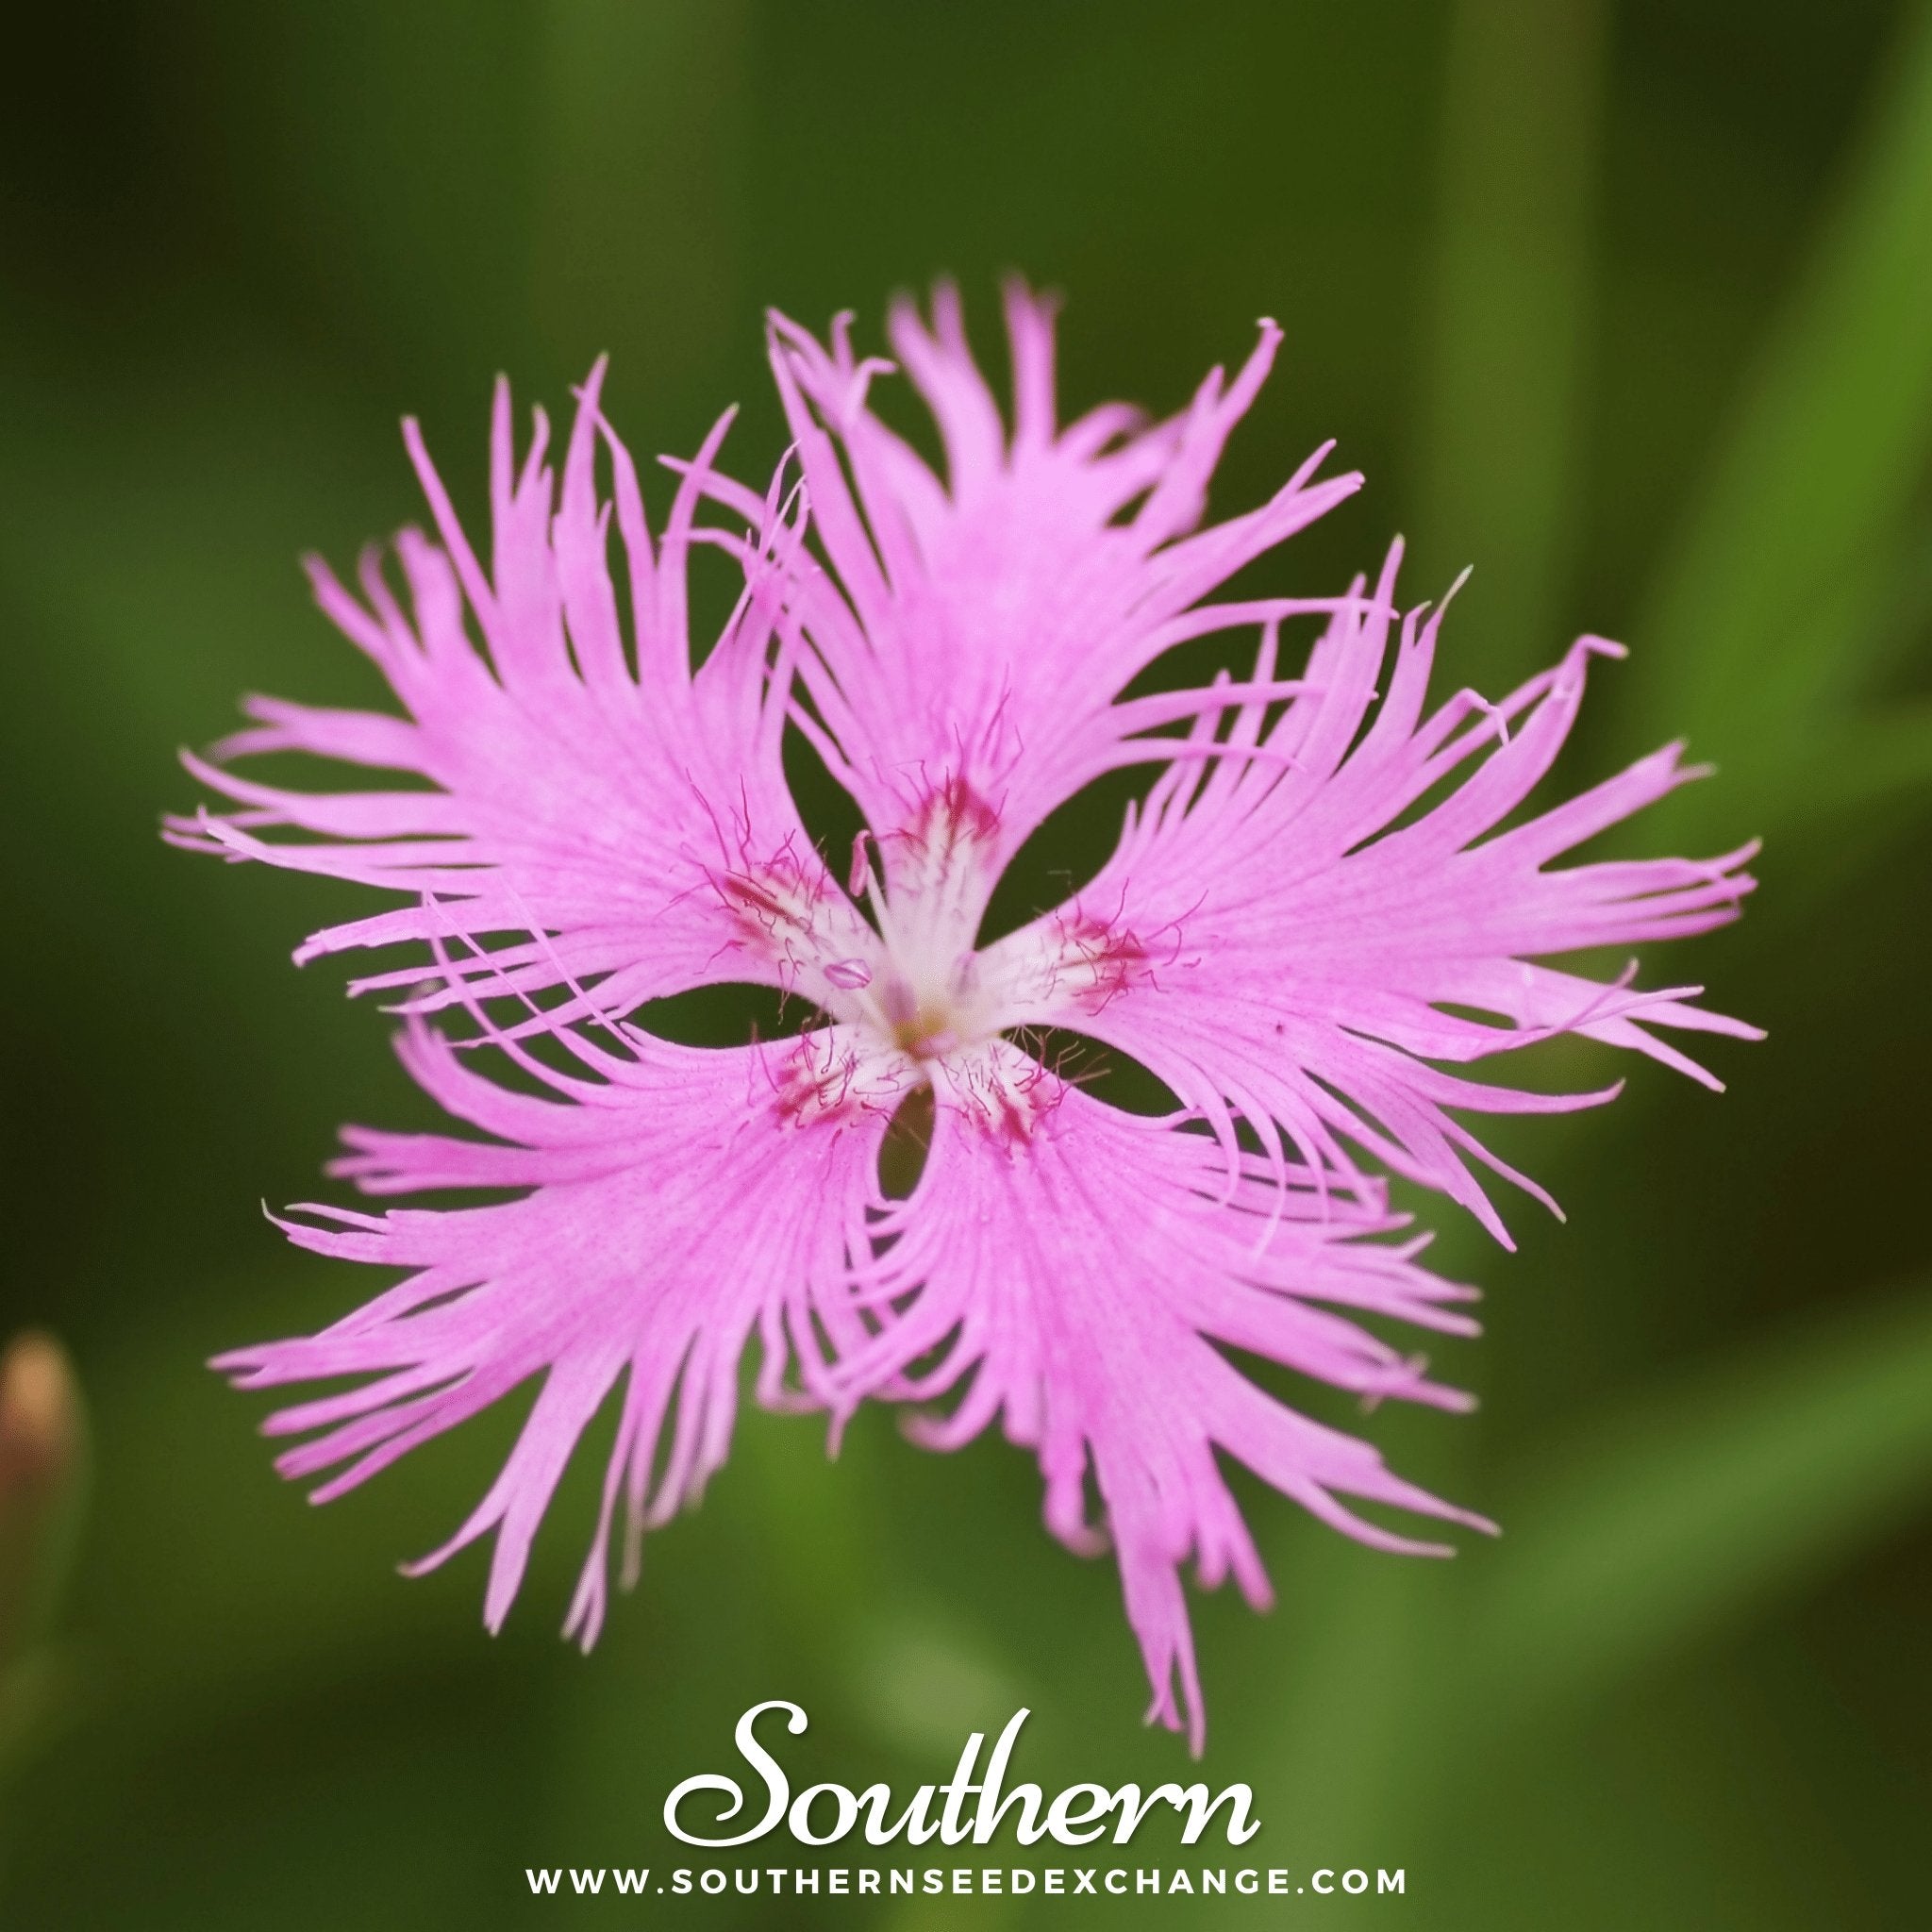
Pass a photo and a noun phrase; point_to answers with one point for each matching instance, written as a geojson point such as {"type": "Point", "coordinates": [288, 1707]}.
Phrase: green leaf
{"type": "Point", "coordinates": [1514, 270]}
{"type": "Point", "coordinates": [1693, 1506]}
{"type": "Point", "coordinates": [1765, 615]}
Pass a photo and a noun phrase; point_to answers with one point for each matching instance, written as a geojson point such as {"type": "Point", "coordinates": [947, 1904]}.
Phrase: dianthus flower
{"type": "Point", "coordinates": [1301, 926]}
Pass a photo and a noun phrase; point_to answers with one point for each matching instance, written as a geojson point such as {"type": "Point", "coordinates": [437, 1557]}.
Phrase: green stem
{"type": "Point", "coordinates": [1513, 273]}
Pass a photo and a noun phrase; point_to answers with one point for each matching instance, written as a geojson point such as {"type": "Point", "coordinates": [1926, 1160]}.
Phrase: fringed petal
{"type": "Point", "coordinates": [1305, 917]}
{"type": "Point", "coordinates": [975, 632]}
{"type": "Point", "coordinates": [679, 1201]}
{"type": "Point", "coordinates": [588, 806]}
{"type": "Point", "coordinates": [1079, 1272]}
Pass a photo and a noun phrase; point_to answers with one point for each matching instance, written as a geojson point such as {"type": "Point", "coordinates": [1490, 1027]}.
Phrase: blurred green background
{"type": "Point", "coordinates": [1629, 305]}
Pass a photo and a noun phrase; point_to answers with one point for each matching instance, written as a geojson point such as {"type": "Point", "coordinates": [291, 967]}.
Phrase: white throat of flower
{"type": "Point", "coordinates": [912, 993]}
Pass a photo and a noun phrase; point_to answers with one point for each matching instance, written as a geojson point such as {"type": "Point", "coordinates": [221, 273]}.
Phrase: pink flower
{"type": "Point", "coordinates": [1293, 934]}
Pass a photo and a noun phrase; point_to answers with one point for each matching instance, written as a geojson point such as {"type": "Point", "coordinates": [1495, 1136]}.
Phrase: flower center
{"type": "Point", "coordinates": [927, 886]}
{"type": "Point", "coordinates": [928, 1025]}
{"type": "Point", "coordinates": [927, 1033]}
{"type": "Point", "coordinates": [912, 981]}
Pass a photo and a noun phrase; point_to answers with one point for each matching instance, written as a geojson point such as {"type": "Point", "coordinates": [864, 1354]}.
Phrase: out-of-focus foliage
{"type": "Point", "coordinates": [1630, 303]}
